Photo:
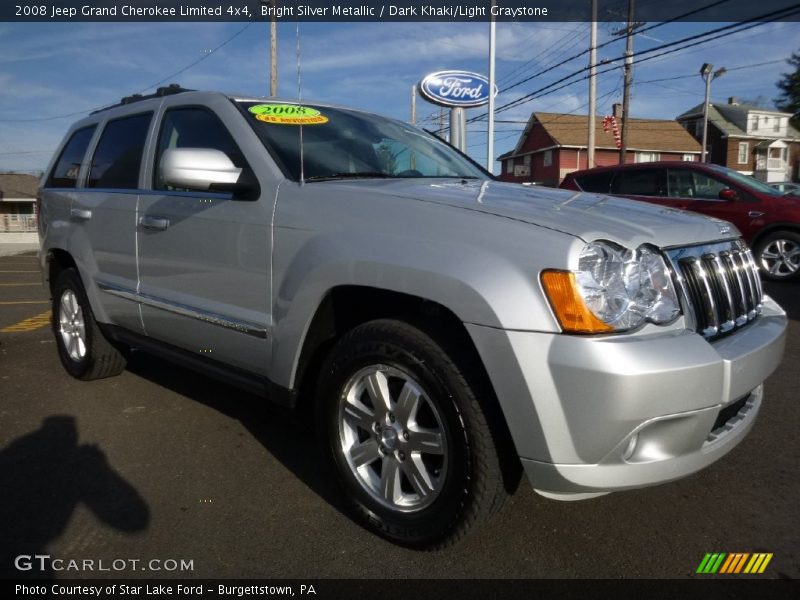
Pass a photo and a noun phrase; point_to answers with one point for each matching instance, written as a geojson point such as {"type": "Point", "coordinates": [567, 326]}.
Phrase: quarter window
{"type": "Point", "coordinates": [118, 157]}
{"type": "Point", "coordinates": [65, 173]}
{"type": "Point", "coordinates": [599, 183]}
{"type": "Point", "coordinates": [194, 127]}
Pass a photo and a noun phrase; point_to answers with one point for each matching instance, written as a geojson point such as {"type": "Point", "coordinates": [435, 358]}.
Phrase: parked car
{"type": "Point", "coordinates": [446, 330]}
{"type": "Point", "coordinates": [786, 187]}
{"type": "Point", "coordinates": [768, 220]}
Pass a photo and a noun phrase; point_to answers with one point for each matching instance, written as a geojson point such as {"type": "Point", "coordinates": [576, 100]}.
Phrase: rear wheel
{"type": "Point", "coordinates": [407, 436]}
{"type": "Point", "coordinates": [84, 351]}
{"type": "Point", "coordinates": [778, 256]}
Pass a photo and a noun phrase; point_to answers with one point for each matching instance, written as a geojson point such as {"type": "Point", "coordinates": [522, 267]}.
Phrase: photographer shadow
{"type": "Point", "coordinates": [44, 476]}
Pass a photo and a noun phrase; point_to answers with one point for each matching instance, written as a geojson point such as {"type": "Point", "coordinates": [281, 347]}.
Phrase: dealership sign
{"type": "Point", "coordinates": [456, 89]}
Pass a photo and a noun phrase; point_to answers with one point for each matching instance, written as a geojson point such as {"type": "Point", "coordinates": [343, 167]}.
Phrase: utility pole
{"type": "Point", "coordinates": [626, 96]}
{"type": "Point", "coordinates": [490, 140]}
{"type": "Point", "coordinates": [592, 86]}
{"type": "Point", "coordinates": [273, 52]}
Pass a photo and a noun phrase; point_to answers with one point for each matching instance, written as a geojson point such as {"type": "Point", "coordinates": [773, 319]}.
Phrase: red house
{"type": "Point", "coordinates": [554, 144]}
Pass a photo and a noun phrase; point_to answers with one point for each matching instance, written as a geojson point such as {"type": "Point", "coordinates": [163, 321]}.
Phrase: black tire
{"type": "Point", "coordinates": [778, 256]}
{"type": "Point", "coordinates": [88, 355]}
{"type": "Point", "coordinates": [464, 485]}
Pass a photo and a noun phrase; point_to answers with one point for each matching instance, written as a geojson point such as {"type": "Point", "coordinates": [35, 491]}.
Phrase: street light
{"type": "Point", "coordinates": [708, 77]}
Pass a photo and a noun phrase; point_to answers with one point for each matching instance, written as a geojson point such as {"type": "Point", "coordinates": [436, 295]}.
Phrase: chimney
{"type": "Point", "coordinates": [617, 110]}
{"type": "Point", "coordinates": [733, 101]}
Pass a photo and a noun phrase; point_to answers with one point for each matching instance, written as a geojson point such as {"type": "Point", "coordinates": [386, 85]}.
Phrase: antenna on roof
{"type": "Point", "coordinates": [299, 102]}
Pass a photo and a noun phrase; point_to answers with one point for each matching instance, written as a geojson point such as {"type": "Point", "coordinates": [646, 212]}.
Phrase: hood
{"type": "Point", "coordinates": [581, 214]}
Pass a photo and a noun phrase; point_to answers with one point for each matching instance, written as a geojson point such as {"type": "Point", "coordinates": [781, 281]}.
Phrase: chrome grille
{"type": "Point", "coordinates": [719, 284]}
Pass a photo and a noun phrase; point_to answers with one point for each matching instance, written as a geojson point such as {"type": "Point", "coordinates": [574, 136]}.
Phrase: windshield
{"type": "Point", "coordinates": [746, 181]}
{"type": "Point", "coordinates": [340, 143]}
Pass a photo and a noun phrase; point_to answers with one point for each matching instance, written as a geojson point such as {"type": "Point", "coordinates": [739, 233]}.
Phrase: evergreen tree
{"type": "Point", "coordinates": [789, 85]}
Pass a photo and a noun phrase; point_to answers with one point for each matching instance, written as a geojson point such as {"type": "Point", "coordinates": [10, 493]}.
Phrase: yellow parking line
{"type": "Point", "coordinates": [25, 302]}
{"type": "Point", "coordinates": [17, 284]}
{"type": "Point", "coordinates": [37, 322]}
{"type": "Point", "coordinates": [20, 271]}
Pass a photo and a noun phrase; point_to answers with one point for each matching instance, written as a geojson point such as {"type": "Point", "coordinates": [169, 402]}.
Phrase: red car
{"type": "Point", "coordinates": [768, 219]}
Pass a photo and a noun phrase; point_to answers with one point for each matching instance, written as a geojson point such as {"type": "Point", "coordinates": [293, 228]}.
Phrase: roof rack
{"type": "Point", "coordinates": [172, 88]}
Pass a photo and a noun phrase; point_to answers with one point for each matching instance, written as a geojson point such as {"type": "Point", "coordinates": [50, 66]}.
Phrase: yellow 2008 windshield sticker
{"type": "Point", "coordinates": [288, 114]}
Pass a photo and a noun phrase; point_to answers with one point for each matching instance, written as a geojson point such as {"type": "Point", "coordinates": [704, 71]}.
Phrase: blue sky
{"type": "Point", "coordinates": [52, 69]}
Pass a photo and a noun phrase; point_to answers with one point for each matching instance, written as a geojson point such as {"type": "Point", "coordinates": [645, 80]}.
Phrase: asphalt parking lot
{"type": "Point", "coordinates": [162, 463]}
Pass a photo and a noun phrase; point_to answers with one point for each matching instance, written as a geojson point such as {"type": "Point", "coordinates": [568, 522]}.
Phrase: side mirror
{"type": "Point", "coordinates": [728, 195]}
{"type": "Point", "coordinates": [202, 169]}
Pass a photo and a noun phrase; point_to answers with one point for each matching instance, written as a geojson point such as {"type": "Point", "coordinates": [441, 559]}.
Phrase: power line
{"type": "Point", "coordinates": [604, 44]}
{"type": "Point", "coordinates": [721, 31]}
{"type": "Point", "coordinates": [153, 85]}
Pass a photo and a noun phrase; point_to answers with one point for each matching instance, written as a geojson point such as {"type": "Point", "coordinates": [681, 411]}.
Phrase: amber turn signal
{"type": "Point", "coordinates": [571, 311]}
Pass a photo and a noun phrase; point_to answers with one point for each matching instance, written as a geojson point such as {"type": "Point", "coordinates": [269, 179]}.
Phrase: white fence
{"type": "Point", "coordinates": [17, 223]}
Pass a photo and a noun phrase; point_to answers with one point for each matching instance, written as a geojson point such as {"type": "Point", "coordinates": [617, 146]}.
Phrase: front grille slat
{"type": "Point", "coordinates": [720, 286]}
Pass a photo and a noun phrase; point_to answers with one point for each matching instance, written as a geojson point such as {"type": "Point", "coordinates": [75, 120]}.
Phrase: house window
{"type": "Point", "coordinates": [698, 128]}
{"type": "Point", "coordinates": [688, 157]}
{"type": "Point", "coordinates": [777, 127]}
{"type": "Point", "coordinates": [642, 157]}
{"type": "Point", "coordinates": [509, 166]}
{"type": "Point", "coordinates": [754, 127]}
{"type": "Point", "coordinates": [744, 153]}
{"type": "Point", "coordinates": [527, 160]}
{"type": "Point", "coordinates": [547, 158]}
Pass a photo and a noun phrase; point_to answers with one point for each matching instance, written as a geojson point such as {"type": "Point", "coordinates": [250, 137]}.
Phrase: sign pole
{"type": "Point", "coordinates": [458, 128]}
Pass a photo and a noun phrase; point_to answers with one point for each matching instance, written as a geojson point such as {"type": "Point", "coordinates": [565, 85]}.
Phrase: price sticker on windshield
{"type": "Point", "coordinates": [288, 114]}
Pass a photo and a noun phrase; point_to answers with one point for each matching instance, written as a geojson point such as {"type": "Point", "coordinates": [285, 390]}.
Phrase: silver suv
{"type": "Point", "coordinates": [449, 331]}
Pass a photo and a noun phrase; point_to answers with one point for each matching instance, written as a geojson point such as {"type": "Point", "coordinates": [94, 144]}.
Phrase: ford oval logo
{"type": "Point", "coordinates": [456, 88]}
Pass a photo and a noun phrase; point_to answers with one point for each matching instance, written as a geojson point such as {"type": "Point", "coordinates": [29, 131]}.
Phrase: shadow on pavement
{"type": "Point", "coordinates": [44, 476]}
{"type": "Point", "coordinates": [787, 295]}
{"type": "Point", "coordinates": [287, 435]}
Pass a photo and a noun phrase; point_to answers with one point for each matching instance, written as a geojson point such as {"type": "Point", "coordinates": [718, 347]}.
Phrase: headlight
{"type": "Point", "coordinates": [613, 289]}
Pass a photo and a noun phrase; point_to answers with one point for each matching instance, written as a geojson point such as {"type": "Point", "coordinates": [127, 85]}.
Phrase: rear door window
{"type": "Point", "coordinates": [65, 173]}
{"type": "Point", "coordinates": [118, 157]}
{"type": "Point", "coordinates": [640, 182]}
{"type": "Point", "coordinates": [686, 183]}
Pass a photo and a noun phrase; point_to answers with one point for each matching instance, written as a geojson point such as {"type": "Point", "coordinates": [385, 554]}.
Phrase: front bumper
{"type": "Point", "coordinates": [592, 415]}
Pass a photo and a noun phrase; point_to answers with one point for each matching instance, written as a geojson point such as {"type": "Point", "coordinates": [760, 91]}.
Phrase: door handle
{"type": "Point", "coordinates": [80, 214]}
{"type": "Point", "coordinates": [754, 214]}
{"type": "Point", "coordinates": [155, 223]}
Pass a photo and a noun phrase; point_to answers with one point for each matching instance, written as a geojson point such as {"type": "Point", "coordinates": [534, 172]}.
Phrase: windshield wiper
{"type": "Point", "coordinates": [355, 175]}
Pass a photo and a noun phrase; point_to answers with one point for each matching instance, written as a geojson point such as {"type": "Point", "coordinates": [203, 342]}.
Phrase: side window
{"type": "Point", "coordinates": [640, 182]}
{"type": "Point", "coordinates": [694, 185]}
{"type": "Point", "coordinates": [118, 156]}
{"type": "Point", "coordinates": [65, 173]}
{"type": "Point", "coordinates": [194, 127]}
{"type": "Point", "coordinates": [599, 183]}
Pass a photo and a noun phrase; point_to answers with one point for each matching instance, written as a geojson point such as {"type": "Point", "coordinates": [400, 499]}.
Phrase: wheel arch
{"type": "Point", "coordinates": [345, 307]}
{"type": "Point", "coordinates": [58, 260]}
{"type": "Point", "coordinates": [773, 228]}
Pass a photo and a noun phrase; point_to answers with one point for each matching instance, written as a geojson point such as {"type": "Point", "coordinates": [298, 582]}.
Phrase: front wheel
{"type": "Point", "coordinates": [407, 436]}
{"type": "Point", "coordinates": [778, 256]}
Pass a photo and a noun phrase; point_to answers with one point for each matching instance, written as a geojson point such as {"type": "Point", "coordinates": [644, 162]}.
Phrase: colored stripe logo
{"type": "Point", "coordinates": [734, 563]}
